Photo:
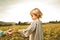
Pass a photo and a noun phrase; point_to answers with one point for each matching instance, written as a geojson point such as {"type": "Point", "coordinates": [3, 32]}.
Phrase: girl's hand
{"type": "Point", "coordinates": [19, 31]}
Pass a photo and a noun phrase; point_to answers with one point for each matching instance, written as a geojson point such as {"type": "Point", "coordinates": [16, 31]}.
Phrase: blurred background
{"type": "Point", "coordinates": [16, 14]}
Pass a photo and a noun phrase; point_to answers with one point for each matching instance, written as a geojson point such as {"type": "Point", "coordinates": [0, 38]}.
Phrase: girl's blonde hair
{"type": "Point", "coordinates": [36, 12]}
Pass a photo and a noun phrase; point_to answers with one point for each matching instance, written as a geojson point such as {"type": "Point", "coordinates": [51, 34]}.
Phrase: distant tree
{"type": "Point", "coordinates": [51, 21]}
{"type": "Point", "coordinates": [56, 21]}
{"type": "Point", "coordinates": [19, 22]}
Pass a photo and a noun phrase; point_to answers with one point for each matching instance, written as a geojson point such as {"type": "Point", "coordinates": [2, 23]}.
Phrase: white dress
{"type": "Point", "coordinates": [34, 31]}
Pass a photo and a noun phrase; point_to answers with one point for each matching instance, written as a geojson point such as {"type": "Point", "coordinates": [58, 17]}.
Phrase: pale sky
{"type": "Point", "coordinates": [19, 10]}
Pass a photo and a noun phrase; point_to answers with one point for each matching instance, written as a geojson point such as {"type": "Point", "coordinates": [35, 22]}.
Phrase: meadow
{"type": "Point", "coordinates": [50, 31]}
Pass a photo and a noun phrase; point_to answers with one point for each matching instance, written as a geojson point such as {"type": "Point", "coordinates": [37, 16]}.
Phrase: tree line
{"type": "Point", "coordinates": [13, 23]}
{"type": "Point", "coordinates": [21, 23]}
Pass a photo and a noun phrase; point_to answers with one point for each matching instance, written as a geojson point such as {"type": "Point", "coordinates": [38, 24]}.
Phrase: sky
{"type": "Point", "coordinates": [19, 10]}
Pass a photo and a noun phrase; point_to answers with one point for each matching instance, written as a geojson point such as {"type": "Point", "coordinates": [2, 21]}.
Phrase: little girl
{"type": "Point", "coordinates": [34, 31]}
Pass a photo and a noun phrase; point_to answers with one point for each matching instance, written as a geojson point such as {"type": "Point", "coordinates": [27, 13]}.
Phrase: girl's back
{"type": "Point", "coordinates": [37, 34]}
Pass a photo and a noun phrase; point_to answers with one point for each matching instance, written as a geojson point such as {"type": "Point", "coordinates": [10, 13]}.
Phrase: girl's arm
{"type": "Point", "coordinates": [29, 30]}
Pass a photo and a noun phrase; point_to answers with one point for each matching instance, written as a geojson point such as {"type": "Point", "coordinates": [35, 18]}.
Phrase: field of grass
{"type": "Point", "coordinates": [50, 32]}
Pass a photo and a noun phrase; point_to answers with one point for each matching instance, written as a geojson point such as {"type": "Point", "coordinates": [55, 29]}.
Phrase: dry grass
{"type": "Point", "coordinates": [51, 32]}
